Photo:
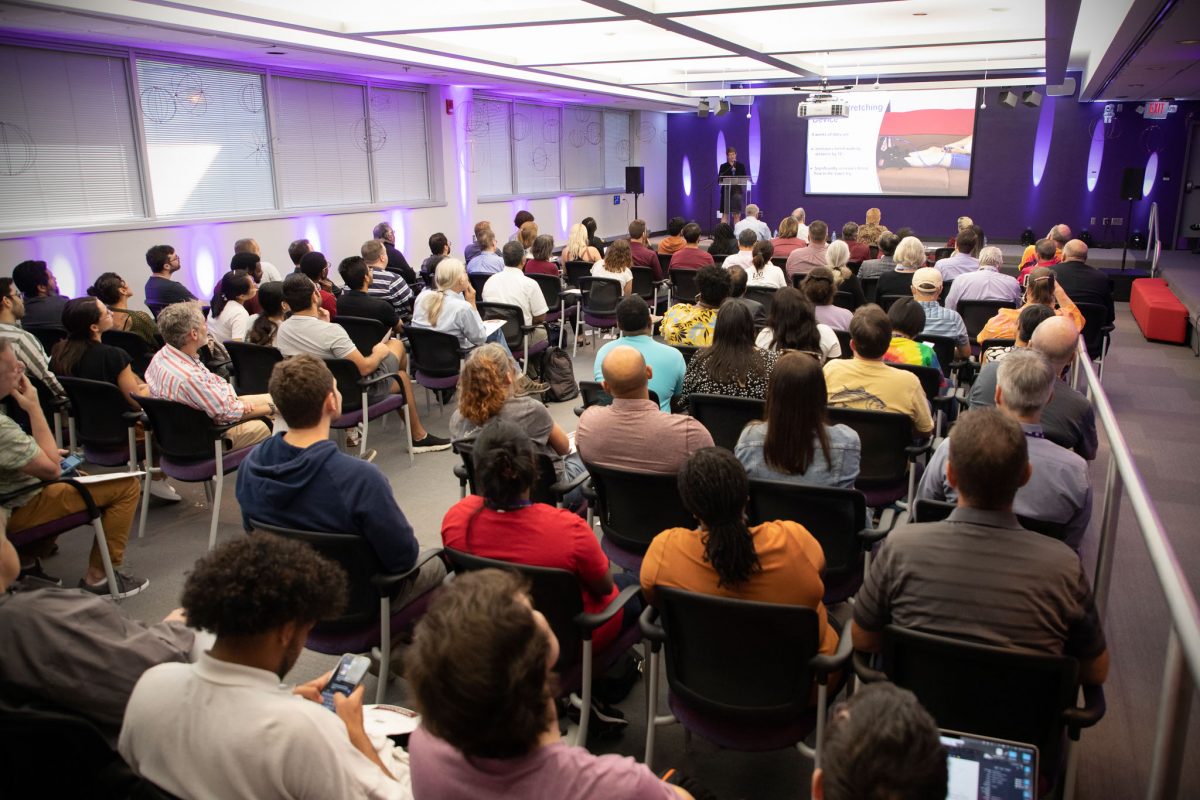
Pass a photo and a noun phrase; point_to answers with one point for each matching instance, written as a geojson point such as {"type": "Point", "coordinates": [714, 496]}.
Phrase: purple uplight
{"type": "Point", "coordinates": [1041, 142]}
{"type": "Point", "coordinates": [1151, 174]}
{"type": "Point", "coordinates": [564, 214]}
{"type": "Point", "coordinates": [1095, 156]}
{"type": "Point", "coordinates": [400, 228]}
{"type": "Point", "coordinates": [204, 254]}
{"type": "Point", "coordinates": [755, 147]}
{"type": "Point", "coordinates": [720, 148]}
{"type": "Point", "coordinates": [312, 232]}
{"type": "Point", "coordinates": [61, 254]}
{"type": "Point", "coordinates": [686, 174]}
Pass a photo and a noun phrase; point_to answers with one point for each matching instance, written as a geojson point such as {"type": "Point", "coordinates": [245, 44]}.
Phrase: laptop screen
{"type": "Point", "coordinates": [989, 769]}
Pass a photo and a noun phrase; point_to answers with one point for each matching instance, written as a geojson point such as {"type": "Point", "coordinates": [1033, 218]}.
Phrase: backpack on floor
{"type": "Point", "coordinates": [559, 372]}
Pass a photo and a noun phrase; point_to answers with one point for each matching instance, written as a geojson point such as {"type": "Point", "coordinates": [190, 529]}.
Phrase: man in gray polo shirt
{"type": "Point", "coordinates": [1060, 491]}
{"type": "Point", "coordinates": [979, 575]}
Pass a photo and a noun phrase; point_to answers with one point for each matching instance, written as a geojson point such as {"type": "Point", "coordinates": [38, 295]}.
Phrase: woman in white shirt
{"type": "Point", "coordinates": [762, 271]}
{"type": "Point", "coordinates": [792, 325]}
{"type": "Point", "coordinates": [450, 307]}
{"type": "Point", "coordinates": [617, 265]}
{"type": "Point", "coordinates": [228, 319]}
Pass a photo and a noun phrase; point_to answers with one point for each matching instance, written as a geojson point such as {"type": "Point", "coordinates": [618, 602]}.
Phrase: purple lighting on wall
{"type": "Point", "coordinates": [686, 174]}
{"type": "Point", "coordinates": [1095, 156]}
{"type": "Point", "coordinates": [61, 254]}
{"type": "Point", "coordinates": [399, 226]}
{"type": "Point", "coordinates": [564, 214]}
{"type": "Point", "coordinates": [720, 148]}
{"type": "Point", "coordinates": [1151, 174]}
{"type": "Point", "coordinates": [1041, 142]}
{"type": "Point", "coordinates": [755, 147]}
{"type": "Point", "coordinates": [206, 257]}
{"type": "Point", "coordinates": [312, 232]}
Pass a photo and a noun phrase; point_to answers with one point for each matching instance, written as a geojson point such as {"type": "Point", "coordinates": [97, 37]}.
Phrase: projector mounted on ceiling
{"type": "Point", "coordinates": [821, 102]}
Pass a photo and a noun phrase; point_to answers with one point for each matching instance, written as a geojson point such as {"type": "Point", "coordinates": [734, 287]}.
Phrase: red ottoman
{"type": "Point", "coordinates": [1158, 311]}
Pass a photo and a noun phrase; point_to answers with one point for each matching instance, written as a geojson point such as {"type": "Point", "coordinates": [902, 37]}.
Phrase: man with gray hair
{"type": "Point", "coordinates": [1083, 283]}
{"type": "Point", "coordinates": [385, 284]}
{"type": "Point", "coordinates": [397, 264]}
{"type": "Point", "coordinates": [743, 257]}
{"type": "Point", "coordinates": [986, 282]}
{"type": "Point", "coordinates": [1068, 420]}
{"type": "Point", "coordinates": [176, 373]}
{"type": "Point", "coordinates": [270, 272]}
{"type": "Point", "coordinates": [801, 227]}
{"type": "Point", "coordinates": [1060, 234]}
{"type": "Point", "coordinates": [1060, 491]}
{"type": "Point", "coordinates": [753, 223]}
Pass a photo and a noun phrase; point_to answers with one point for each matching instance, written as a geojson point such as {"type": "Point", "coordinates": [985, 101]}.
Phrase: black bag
{"type": "Point", "coordinates": [559, 372]}
{"type": "Point", "coordinates": [617, 682]}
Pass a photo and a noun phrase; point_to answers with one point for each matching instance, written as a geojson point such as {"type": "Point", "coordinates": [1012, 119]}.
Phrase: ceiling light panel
{"type": "Point", "coordinates": [555, 44]}
{"type": "Point", "coordinates": [670, 7]}
{"type": "Point", "coordinates": [1001, 55]}
{"type": "Point", "coordinates": [735, 68]}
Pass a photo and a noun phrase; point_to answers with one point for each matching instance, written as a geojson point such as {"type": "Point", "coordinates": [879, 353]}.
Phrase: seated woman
{"type": "Point", "coordinates": [692, 323]}
{"type": "Point", "coordinates": [792, 325]}
{"type": "Point", "coordinates": [450, 308]}
{"type": "Point", "coordinates": [617, 265]}
{"type": "Point", "coordinates": [796, 442]}
{"type": "Point", "coordinates": [775, 562]}
{"type": "Point", "coordinates": [487, 388]}
{"type": "Point", "coordinates": [541, 255]}
{"type": "Point", "coordinates": [820, 287]}
{"type": "Point", "coordinates": [504, 524]}
{"type": "Point", "coordinates": [112, 290]}
{"type": "Point", "coordinates": [526, 235]}
{"type": "Point", "coordinates": [724, 243]}
{"type": "Point", "coordinates": [595, 241]}
{"type": "Point", "coordinates": [264, 324]}
{"type": "Point", "coordinates": [1041, 289]}
{"type": "Point", "coordinates": [908, 320]}
{"type": "Point", "coordinates": [837, 258]}
{"type": "Point", "coordinates": [228, 319]}
{"type": "Point", "coordinates": [577, 247]}
{"type": "Point", "coordinates": [762, 271]}
{"type": "Point", "coordinates": [732, 366]}
{"type": "Point", "coordinates": [788, 238]}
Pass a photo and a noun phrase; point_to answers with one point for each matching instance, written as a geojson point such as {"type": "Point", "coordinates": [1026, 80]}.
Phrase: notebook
{"type": "Point", "coordinates": [981, 768]}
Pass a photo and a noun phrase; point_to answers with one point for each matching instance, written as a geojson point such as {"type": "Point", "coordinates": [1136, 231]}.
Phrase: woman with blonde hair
{"type": "Point", "coordinates": [837, 258]}
{"type": "Point", "coordinates": [577, 247]}
{"type": "Point", "coordinates": [449, 307]}
{"type": "Point", "coordinates": [789, 238]}
{"type": "Point", "coordinates": [1041, 289]}
{"type": "Point", "coordinates": [872, 229]}
{"type": "Point", "coordinates": [617, 265]}
{"type": "Point", "coordinates": [526, 235]}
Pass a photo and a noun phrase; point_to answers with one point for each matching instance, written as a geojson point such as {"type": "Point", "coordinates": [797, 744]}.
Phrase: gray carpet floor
{"type": "Point", "coordinates": [1155, 390]}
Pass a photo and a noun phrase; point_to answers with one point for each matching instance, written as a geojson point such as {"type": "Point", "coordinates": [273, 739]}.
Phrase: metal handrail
{"type": "Point", "coordinates": [1183, 646]}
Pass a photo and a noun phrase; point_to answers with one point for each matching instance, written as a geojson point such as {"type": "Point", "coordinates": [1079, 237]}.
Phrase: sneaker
{"type": "Point", "coordinates": [369, 456]}
{"type": "Point", "coordinates": [164, 491]}
{"type": "Point", "coordinates": [127, 585]}
{"type": "Point", "coordinates": [527, 385]}
{"type": "Point", "coordinates": [430, 444]}
{"type": "Point", "coordinates": [35, 572]}
{"type": "Point", "coordinates": [605, 721]}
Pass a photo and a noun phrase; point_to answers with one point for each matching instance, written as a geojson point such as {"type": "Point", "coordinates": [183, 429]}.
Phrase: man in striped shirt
{"type": "Point", "coordinates": [176, 374]}
{"type": "Point", "coordinates": [24, 344]}
{"type": "Point", "coordinates": [388, 285]}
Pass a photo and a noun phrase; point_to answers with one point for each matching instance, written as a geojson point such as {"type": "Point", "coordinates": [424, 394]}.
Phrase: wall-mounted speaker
{"type": "Point", "coordinates": [1131, 183]}
{"type": "Point", "coordinates": [635, 180]}
{"type": "Point", "coordinates": [1008, 98]}
{"type": "Point", "coordinates": [722, 108]}
{"type": "Point", "coordinates": [702, 109]}
{"type": "Point", "coordinates": [1031, 98]}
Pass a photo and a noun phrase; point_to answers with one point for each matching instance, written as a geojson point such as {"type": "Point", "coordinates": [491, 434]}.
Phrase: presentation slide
{"type": "Point", "coordinates": [895, 143]}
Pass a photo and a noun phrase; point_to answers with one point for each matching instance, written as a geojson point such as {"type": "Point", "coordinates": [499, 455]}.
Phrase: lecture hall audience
{"type": "Point", "coordinates": [26, 347]}
{"type": "Point", "coordinates": [985, 283]}
{"type": "Point", "coordinates": [820, 288]}
{"type": "Point", "coordinates": [908, 321]}
{"type": "Point", "coordinates": [83, 355]}
{"type": "Point", "coordinates": [439, 248]}
{"type": "Point", "coordinates": [792, 325]}
{"type": "Point", "coordinates": [616, 266]}
{"type": "Point", "coordinates": [926, 288]}
{"type": "Point", "coordinates": [908, 257]}
{"type": "Point", "coordinates": [316, 267]}
{"type": "Point", "coordinates": [264, 324]}
{"type": "Point", "coordinates": [396, 263]}
{"type": "Point", "coordinates": [43, 303]}
{"type": "Point", "coordinates": [228, 318]}
{"type": "Point", "coordinates": [513, 287]}
{"type": "Point", "coordinates": [112, 290]}
{"type": "Point", "coordinates": [385, 284]}
{"type": "Point", "coordinates": [761, 272]}
{"type": "Point", "coordinates": [874, 267]}
{"type": "Point", "coordinates": [1084, 283]}
{"type": "Point", "coordinates": [541, 257]}
{"type": "Point", "coordinates": [746, 241]}
{"type": "Point", "coordinates": [689, 256]}
{"type": "Point", "coordinates": [640, 251]}
{"type": "Point", "coordinates": [161, 287]}
{"type": "Point", "coordinates": [249, 246]}
{"type": "Point", "coordinates": [751, 222]}
{"type": "Point", "coordinates": [357, 300]}
{"type": "Point", "coordinates": [859, 251]}
{"type": "Point", "coordinates": [1041, 288]}
{"type": "Point", "coordinates": [732, 366]}
{"type": "Point", "coordinates": [449, 307]}
{"type": "Point", "coordinates": [665, 362]}
{"type": "Point", "coordinates": [870, 231]}
{"type": "Point", "coordinates": [578, 248]}
{"type": "Point", "coordinates": [737, 291]}
{"type": "Point", "coordinates": [961, 262]}
{"type": "Point", "coordinates": [674, 239]}
{"type": "Point", "coordinates": [723, 243]}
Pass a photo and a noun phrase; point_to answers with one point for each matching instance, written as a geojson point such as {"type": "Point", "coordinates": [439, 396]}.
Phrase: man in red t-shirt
{"type": "Point", "coordinates": [639, 247]}
{"type": "Point", "coordinates": [690, 256]}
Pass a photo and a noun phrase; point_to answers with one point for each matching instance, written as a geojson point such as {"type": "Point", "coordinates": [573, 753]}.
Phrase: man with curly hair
{"type": "Point", "coordinates": [224, 726]}
{"type": "Point", "coordinates": [480, 667]}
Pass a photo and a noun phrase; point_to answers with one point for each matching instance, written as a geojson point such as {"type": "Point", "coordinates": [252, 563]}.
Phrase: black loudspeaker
{"type": "Point", "coordinates": [635, 180]}
{"type": "Point", "coordinates": [1131, 183]}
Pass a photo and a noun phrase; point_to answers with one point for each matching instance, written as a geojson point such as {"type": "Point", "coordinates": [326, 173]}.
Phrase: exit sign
{"type": "Point", "coordinates": [1156, 109]}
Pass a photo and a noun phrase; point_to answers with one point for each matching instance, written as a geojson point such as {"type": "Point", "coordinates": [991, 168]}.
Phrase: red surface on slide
{"type": "Point", "coordinates": [951, 121]}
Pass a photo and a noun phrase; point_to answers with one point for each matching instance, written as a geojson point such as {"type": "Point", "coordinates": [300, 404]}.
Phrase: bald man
{"type": "Point", "coordinates": [1068, 419]}
{"type": "Point", "coordinates": [632, 434]}
{"type": "Point", "coordinates": [1083, 283]}
{"type": "Point", "coordinates": [1060, 234]}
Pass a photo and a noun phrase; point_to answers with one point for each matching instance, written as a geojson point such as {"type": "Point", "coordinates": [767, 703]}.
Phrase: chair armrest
{"type": "Point", "coordinates": [90, 504]}
{"type": "Point", "coordinates": [133, 417]}
{"type": "Point", "coordinates": [589, 622]}
{"type": "Point", "coordinates": [863, 669]}
{"type": "Point", "coordinates": [915, 450]}
{"type": "Point", "coordinates": [870, 536]}
{"type": "Point", "coordinates": [562, 487]}
{"type": "Point", "coordinates": [589, 492]}
{"type": "Point", "coordinates": [217, 430]}
{"type": "Point", "coordinates": [212, 366]}
{"type": "Point", "coordinates": [1092, 712]}
{"type": "Point", "coordinates": [388, 583]}
{"type": "Point", "coordinates": [369, 380]}
{"type": "Point", "coordinates": [58, 403]}
{"type": "Point", "coordinates": [825, 665]}
{"type": "Point", "coordinates": [654, 632]}
{"type": "Point", "coordinates": [579, 410]}
{"type": "Point", "coordinates": [460, 472]}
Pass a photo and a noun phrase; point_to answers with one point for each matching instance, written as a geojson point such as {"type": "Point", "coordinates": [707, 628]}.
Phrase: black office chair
{"type": "Point", "coordinates": [993, 691]}
{"type": "Point", "coordinates": [575, 270]}
{"type": "Point", "coordinates": [47, 335]}
{"type": "Point", "coordinates": [944, 348]}
{"type": "Point", "coordinates": [976, 313]}
{"type": "Point", "coordinates": [725, 417]}
{"type": "Point", "coordinates": [516, 333]}
{"type": "Point", "coordinates": [1097, 332]}
{"type": "Point", "coordinates": [592, 394]}
{"type": "Point", "coordinates": [633, 508]}
{"type": "Point", "coordinates": [683, 285]}
{"type": "Point", "coordinates": [436, 359]}
{"type": "Point", "coordinates": [886, 301]}
{"type": "Point", "coordinates": [762, 294]}
{"type": "Point", "coordinates": [739, 673]}
{"type": "Point", "coordinates": [367, 620]}
{"type": "Point", "coordinates": [601, 296]}
{"type": "Point", "coordinates": [54, 408]}
{"type": "Point", "coordinates": [364, 332]}
{"type": "Point", "coordinates": [938, 510]}
{"type": "Point", "coordinates": [547, 488]}
{"type": "Point", "coordinates": [139, 350]}
{"type": "Point", "coordinates": [843, 338]}
{"type": "Point", "coordinates": [33, 742]}
{"type": "Point", "coordinates": [664, 263]}
{"type": "Point", "coordinates": [886, 470]}
{"type": "Point", "coordinates": [942, 252]}
{"type": "Point", "coordinates": [252, 366]}
{"type": "Point", "coordinates": [356, 406]}
{"type": "Point", "coordinates": [779, 261]}
{"type": "Point", "coordinates": [845, 300]}
{"type": "Point", "coordinates": [946, 286]}
{"type": "Point", "coordinates": [557, 305]}
{"type": "Point", "coordinates": [557, 594]}
{"type": "Point", "coordinates": [647, 288]}
{"type": "Point", "coordinates": [687, 351]}
{"type": "Point", "coordinates": [874, 250]}
{"type": "Point", "coordinates": [105, 425]}
{"type": "Point", "coordinates": [868, 287]}
{"type": "Point", "coordinates": [931, 384]}
{"type": "Point", "coordinates": [478, 279]}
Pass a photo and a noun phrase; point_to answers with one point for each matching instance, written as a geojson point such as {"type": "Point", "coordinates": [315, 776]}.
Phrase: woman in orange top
{"type": "Point", "coordinates": [775, 562]}
{"type": "Point", "coordinates": [1040, 289]}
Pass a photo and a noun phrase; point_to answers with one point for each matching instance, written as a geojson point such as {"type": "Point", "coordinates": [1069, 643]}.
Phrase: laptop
{"type": "Point", "coordinates": [981, 768]}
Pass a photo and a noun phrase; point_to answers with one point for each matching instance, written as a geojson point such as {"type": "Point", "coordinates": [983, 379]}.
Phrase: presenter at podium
{"type": "Point", "coordinates": [736, 194]}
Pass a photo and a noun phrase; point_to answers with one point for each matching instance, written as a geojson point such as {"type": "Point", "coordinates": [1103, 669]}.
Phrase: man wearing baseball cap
{"type": "Point", "coordinates": [939, 320]}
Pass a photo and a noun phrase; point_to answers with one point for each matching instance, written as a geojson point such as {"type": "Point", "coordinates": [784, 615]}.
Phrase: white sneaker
{"type": "Point", "coordinates": [164, 491]}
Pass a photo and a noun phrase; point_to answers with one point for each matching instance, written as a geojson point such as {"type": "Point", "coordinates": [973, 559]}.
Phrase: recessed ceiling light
{"type": "Point", "coordinates": [1155, 69]}
{"type": "Point", "coordinates": [920, 14]}
{"type": "Point", "coordinates": [997, 10]}
{"type": "Point", "coordinates": [277, 52]}
{"type": "Point", "coordinates": [1137, 86]}
{"type": "Point", "coordinates": [1189, 41]}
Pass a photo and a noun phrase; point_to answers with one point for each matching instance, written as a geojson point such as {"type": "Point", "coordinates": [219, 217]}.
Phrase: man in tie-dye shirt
{"type": "Point", "coordinates": [908, 320]}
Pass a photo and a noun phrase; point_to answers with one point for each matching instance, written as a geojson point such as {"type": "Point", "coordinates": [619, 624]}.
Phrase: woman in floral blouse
{"type": "Point", "coordinates": [732, 366]}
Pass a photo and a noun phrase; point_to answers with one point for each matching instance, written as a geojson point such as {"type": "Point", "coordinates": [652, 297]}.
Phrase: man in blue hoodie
{"type": "Point", "coordinates": [299, 479]}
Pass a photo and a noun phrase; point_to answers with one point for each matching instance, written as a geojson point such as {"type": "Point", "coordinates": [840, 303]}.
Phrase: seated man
{"type": "Point", "coordinates": [939, 320]}
{"type": "Point", "coordinates": [1084, 283]}
{"type": "Point", "coordinates": [961, 262]}
{"type": "Point", "coordinates": [744, 257]}
{"type": "Point", "coordinates": [692, 323]}
{"type": "Point", "coordinates": [26, 461]}
{"type": "Point", "coordinates": [673, 241]}
{"type": "Point", "coordinates": [513, 287]}
{"type": "Point", "coordinates": [475, 247]}
{"type": "Point", "coordinates": [245, 736]}
{"type": "Point", "coordinates": [633, 434]}
{"type": "Point", "coordinates": [689, 256]}
{"type": "Point", "coordinates": [979, 575]}
{"type": "Point", "coordinates": [867, 382]}
{"type": "Point", "coordinates": [666, 362]}
{"type": "Point", "coordinates": [874, 267]}
{"type": "Point", "coordinates": [287, 480]}
{"type": "Point", "coordinates": [639, 248]}
{"type": "Point", "coordinates": [385, 284]}
{"type": "Point", "coordinates": [297, 250]}
{"type": "Point", "coordinates": [487, 261]}
{"type": "Point", "coordinates": [1060, 234]}
{"type": "Point", "coordinates": [175, 373]}
{"type": "Point", "coordinates": [881, 744]}
{"type": "Point", "coordinates": [1068, 419]}
{"type": "Point", "coordinates": [439, 248]}
{"type": "Point", "coordinates": [752, 222]}
{"type": "Point", "coordinates": [25, 345]}
{"type": "Point", "coordinates": [397, 264]}
{"type": "Point", "coordinates": [481, 670]}
{"type": "Point", "coordinates": [270, 272]}
{"type": "Point", "coordinates": [316, 267]}
{"type": "Point", "coordinates": [107, 651]}
{"type": "Point", "coordinates": [356, 300]}
{"type": "Point", "coordinates": [1061, 491]}
{"type": "Point", "coordinates": [306, 332]}
{"type": "Point", "coordinates": [1046, 254]}
{"type": "Point", "coordinates": [161, 287]}
{"type": "Point", "coordinates": [859, 251]}
{"type": "Point", "coordinates": [43, 304]}
{"type": "Point", "coordinates": [985, 283]}
{"type": "Point", "coordinates": [801, 261]}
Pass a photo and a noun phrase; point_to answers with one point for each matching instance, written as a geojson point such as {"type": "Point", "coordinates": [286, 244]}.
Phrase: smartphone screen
{"type": "Point", "coordinates": [387, 337]}
{"type": "Point", "coordinates": [345, 679]}
{"type": "Point", "coordinates": [69, 464]}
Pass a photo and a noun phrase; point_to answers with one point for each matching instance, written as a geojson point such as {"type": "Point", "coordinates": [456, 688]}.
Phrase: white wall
{"type": "Point", "coordinates": [205, 248]}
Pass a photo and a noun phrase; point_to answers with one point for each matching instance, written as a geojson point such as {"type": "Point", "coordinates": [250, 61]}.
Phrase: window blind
{"type": "Point", "coordinates": [402, 154]}
{"type": "Point", "coordinates": [583, 148]}
{"type": "Point", "coordinates": [206, 139]}
{"type": "Point", "coordinates": [67, 147]}
{"type": "Point", "coordinates": [322, 136]}
{"type": "Point", "coordinates": [489, 147]}
{"type": "Point", "coordinates": [617, 150]}
{"type": "Point", "coordinates": [536, 132]}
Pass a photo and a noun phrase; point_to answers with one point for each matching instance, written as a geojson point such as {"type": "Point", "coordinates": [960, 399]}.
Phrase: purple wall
{"type": "Point", "coordinates": [1003, 201]}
